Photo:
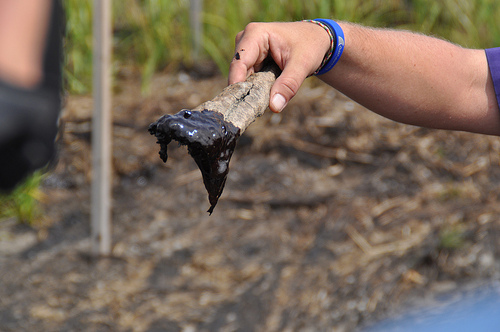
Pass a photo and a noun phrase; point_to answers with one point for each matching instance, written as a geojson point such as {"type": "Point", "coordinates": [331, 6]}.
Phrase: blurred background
{"type": "Point", "coordinates": [157, 35]}
{"type": "Point", "coordinates": [332, 218]}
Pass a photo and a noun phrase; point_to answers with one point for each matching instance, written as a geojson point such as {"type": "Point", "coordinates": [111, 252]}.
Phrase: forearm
{"type": "Point", "coordinates": [23, 27]}
{"type": "Point", "coordinates": [417, 79]}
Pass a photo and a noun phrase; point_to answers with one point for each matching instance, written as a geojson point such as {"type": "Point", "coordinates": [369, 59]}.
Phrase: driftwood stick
{"type": "Point", "coordinates": [211, 130]}
{"type": "Point", "coordinates": [243, 102]}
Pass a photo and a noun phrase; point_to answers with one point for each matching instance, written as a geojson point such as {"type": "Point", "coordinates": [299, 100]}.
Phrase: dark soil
{"type": "Point", "coordinates": [332, 218]}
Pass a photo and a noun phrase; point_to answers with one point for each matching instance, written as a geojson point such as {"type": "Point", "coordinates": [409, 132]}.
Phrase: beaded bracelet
{"type": "Point", "coordinates": [337, 43]}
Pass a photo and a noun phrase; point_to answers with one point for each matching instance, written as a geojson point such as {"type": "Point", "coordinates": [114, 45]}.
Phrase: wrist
{"type": "Point", "coordinates": [321, 39]}
{"type": "Point", "coordinates": [336, 45]}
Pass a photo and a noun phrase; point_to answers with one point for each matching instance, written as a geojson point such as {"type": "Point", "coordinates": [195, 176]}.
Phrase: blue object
{"type": "Point", "coordinates": [339, 44]}
{"type": "Point", "coordinates": [493, 56]}
{"type": "Point", "coordinates": [479, 311]}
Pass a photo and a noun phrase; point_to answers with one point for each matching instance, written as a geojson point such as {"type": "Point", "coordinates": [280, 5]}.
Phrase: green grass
{"type": "Point", "coordinates": [452, 237]}
{"type": "Point", "coordinates": [23, 203]}
{"type": "Point", "coordinates": [155, 34]}
{"type": "Point", "coordinates": [78, 46]}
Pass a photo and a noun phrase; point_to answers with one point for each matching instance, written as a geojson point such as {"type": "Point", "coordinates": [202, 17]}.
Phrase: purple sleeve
{"type": "Point", "coordinates": [493, 56]}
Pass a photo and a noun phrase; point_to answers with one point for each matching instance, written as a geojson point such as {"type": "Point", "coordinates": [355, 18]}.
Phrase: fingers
{"type": "Point", "coordinates": [251, 49]}
{"type": "Point", "coordinates": [287, 85]}
{"type": "Point", "coordinates": [297, 47]}
{"type": "Point", "coordinates": [238, 70]}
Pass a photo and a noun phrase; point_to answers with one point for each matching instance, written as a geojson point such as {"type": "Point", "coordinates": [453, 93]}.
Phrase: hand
{"type": "Point", "coordinates": [298, 48]}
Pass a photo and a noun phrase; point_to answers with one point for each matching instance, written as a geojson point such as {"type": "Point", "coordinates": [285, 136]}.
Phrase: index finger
{"type": "Point", "coordinates": [250, 51]}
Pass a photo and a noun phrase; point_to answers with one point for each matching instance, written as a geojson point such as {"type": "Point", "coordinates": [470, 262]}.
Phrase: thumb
{"type": "Point", "coordinates": [286, 86]}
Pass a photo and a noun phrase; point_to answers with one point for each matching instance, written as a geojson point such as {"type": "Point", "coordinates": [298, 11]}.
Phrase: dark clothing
{"type": "Point", "coordinates": [28, 117]}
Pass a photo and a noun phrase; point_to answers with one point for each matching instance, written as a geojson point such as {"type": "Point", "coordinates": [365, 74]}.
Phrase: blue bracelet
{"type": "Point", "coordinates": [339, 44]}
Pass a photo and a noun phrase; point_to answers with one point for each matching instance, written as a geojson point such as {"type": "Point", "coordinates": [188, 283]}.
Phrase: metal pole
{"type": "Point", "coordinates": [101, 130]}
{"type": "Point", "coordinates": [195, 9]}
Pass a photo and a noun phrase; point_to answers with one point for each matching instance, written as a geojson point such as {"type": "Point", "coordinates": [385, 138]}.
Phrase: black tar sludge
{"type": "Point", "coordinates": [210, 141]}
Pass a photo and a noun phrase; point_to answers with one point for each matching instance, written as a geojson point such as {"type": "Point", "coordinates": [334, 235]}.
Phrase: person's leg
{"type": "Point", "coordinates": [30, 86]}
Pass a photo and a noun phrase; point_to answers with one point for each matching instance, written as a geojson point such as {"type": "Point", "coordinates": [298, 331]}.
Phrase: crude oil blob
{"type": "Point", "coordinates": [210, 141]}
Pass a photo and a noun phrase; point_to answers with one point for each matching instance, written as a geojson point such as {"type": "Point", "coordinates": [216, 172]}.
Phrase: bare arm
{"type": "Point", "coordinates": [403, 76]}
